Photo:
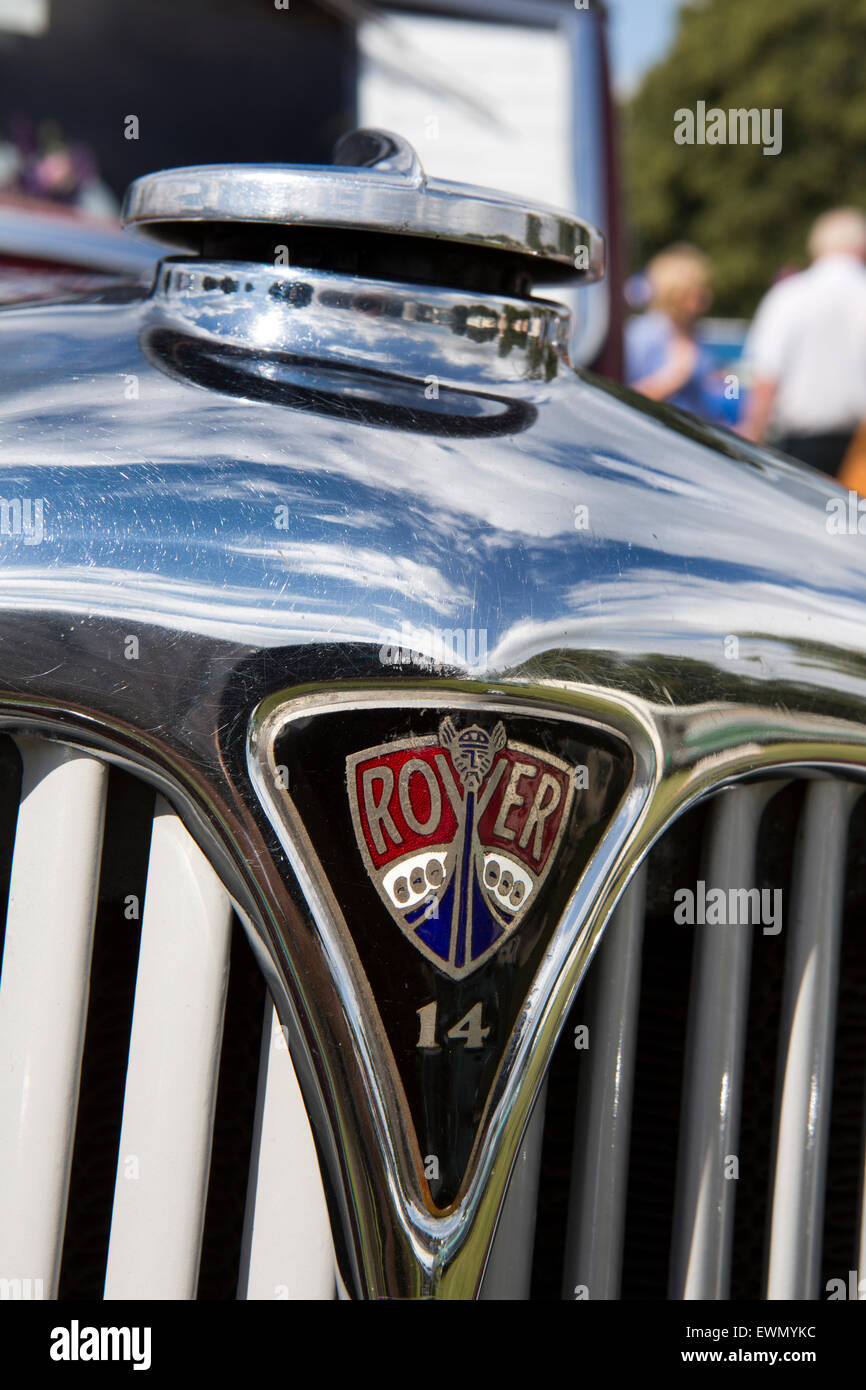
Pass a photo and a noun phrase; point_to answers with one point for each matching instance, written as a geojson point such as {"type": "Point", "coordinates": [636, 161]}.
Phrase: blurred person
{"type": "Point", "coordinates": [663, 358]}
{"type": "Point", "coordinates": [40, 164]}
{"type": "Point", "coordinates": [807, 349]}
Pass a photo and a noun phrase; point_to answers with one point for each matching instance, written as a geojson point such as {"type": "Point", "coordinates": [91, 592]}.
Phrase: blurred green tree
{"type": "Point", "coordinates": [749, 211]}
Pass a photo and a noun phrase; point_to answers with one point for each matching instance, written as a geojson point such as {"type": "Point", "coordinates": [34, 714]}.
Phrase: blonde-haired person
{"type": "Point", "coordinates": [807, 349]}
{"type": "Point", "coordinates": [663, 358]}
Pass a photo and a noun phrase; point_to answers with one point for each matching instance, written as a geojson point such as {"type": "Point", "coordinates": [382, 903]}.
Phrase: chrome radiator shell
{"type": "Point", "coordinates": [608, 550]}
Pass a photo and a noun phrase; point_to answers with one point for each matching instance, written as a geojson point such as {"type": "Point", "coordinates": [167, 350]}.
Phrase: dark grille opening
{"type": "Point", "coordinates": [128, 817]}
{"type": "Point", "coordinates": [667, 978]}
{"type": "Point", "coordinates": [751, 1222]}
{"type": "Point", "coordinates": [555, 1173]}
{"type": "Point", "coordinates": [10, 795]}
{"type": "Point", "coordinates": [233, 1124]}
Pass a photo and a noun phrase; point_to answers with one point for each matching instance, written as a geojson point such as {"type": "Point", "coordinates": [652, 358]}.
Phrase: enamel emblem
{"type": "Point", "coordinates": [458, 831]}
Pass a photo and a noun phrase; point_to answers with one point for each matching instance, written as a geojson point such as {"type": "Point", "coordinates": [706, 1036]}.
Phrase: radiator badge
{"type": "Point", "coordinates": [458, 831]}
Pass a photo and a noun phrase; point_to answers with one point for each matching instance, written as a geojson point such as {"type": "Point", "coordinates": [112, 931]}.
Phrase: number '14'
{"type": "Point", "coordinates": [469, 1029]}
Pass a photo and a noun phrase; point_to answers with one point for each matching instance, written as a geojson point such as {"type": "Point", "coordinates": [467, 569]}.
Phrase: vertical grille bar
{"type": "Point", "coordinates": [287, 1251]}
{"type": "Point", "coordinates": [509, 1269]}
{"type": "Point", "coordinates": [715, 1053]}
{"type": "Point", "coordinates": [43, 1000]}
{"type": "Point", "coordinates": [171, 1081]}
{"type": "Point", "coordinates": [596, 1216]}
{"type": "Point", "coordinates": [804, 1079]}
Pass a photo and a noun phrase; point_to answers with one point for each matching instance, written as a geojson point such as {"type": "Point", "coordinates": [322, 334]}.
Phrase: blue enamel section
{"type": "Point", "coordinates": [485, 929]}
{"type": "Point", "coordinates": [436, 931]}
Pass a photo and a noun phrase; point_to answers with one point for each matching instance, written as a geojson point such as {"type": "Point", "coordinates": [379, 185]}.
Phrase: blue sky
{"type": "Point", "coordinates": [641, 32]}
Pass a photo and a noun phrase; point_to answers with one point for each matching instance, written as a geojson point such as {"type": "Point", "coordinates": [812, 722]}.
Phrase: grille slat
{"type": "Point", "coordinates": [509, 1269]}
{"type": "Point", "coordinates": [715, 1054]}
{"type": "Point", "coordinates": [43, 1001]}
{"type": "Point", "coordinates": [807, 1037]}
{"type": "Point", "coordinates": [597, 1202]}
{"type": "Point", "coordinates": [171, 1081]}
{"type": "Point", "coordinates": [287, 1251]}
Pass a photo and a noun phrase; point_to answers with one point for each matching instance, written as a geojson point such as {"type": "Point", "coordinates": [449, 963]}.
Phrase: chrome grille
{"type": "Point", "coordinates": [142, 1102]}
{"type": "Point", "coordinates": [712, 1042]}
{"type": "Point", "coordinates": [129, 1181]}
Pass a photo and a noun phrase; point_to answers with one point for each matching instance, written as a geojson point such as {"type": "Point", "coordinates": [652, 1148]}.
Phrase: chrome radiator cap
{"type": "Point", "coordinates": [376, 185]}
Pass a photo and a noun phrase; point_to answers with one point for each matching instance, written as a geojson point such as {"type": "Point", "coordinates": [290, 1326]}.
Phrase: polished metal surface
{"type": "Point", "coordinates": [61, 238]}
{"type": "Point", "coordinates": [222, 502]}
{"type": "Point", "coordinates": [602, 1130]}
{"type": "Point", "coordinates": [390, 194]}
{"type": "Point", "coordinates": [379, 149]}
{"type": "Point", "coordinates": [508, 1275]}
{"type": "Point", "coordinates": [807, 1043]}
{"type": "Point", "coordinates": [205, 317]}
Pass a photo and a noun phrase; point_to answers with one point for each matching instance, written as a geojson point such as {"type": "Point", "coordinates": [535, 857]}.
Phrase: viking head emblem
{"type": "Point", "coordinates": [472, 750]}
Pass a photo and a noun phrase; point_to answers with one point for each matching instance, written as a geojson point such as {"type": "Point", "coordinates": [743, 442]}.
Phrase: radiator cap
{"type": "Point", "coordinates": [376, 185]}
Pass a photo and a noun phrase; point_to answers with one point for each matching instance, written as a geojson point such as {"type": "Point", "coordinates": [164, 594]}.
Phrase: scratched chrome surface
{"type": "Point", "coordinates": [158, 436]}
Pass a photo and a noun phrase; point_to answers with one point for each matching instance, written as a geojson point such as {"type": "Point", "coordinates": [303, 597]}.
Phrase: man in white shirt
{"type": "Point", "coordinates": [807, 348]}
